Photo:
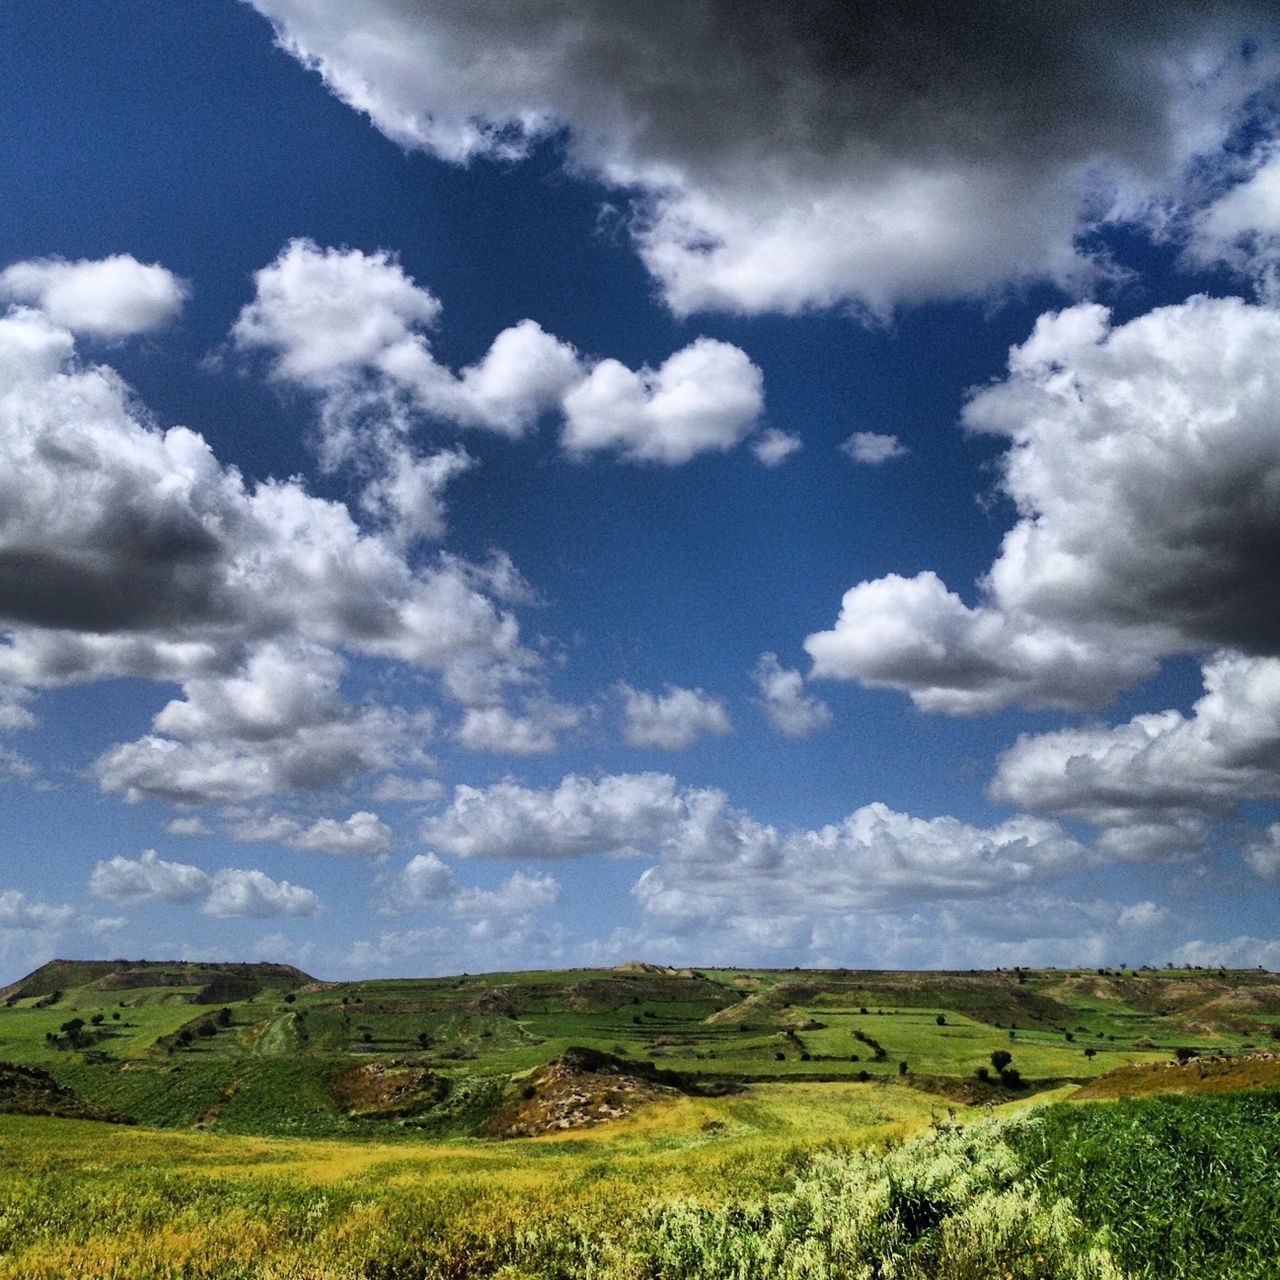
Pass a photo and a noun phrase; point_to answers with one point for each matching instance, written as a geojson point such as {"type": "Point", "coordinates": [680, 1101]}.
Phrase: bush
{"type": "Point", "coordinates": [1000, 1058]}
{"type": "Point", "coordinates": [983, 1074]}
{"type": "Point", "coordinates": [941, 1020]}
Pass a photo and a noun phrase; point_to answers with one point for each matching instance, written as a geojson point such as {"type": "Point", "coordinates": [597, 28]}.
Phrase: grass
{"type": "Point", "coordinates": [245, 1164]}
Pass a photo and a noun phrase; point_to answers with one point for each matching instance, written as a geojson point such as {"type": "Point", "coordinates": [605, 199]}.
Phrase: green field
{"type": "Point", "coordinates": [711, 1123]}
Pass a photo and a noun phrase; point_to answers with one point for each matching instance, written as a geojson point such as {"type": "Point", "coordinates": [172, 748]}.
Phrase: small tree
{"type": "Point", "coordinates": [115, 1015]}
{"type": "Point", "coordinates": [98, 1019]}
{"type": "Point", "coordinates": [983, 1074]}
{"type": "Point", "coordinates": [224, 1017]}
{"type": "Point", "coordinates": [1091, 1052]}
{"type": "Point", "coordinates": [902, 1068]}
{"type": "Point", "coordinates": [1000, 1058]}
{"type": "Point", "coordinates": [290, 998]}
{"type": "Point", "coordinates": [424, 1040]}
{"type": "Point", "coordinates": [941, 1019]}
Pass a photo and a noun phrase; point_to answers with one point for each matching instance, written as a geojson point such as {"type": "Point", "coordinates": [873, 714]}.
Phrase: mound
{"type": "Point", "coordinates": [641, 966]}
{"type": "Point", "coordinates": [585, 1087]}
{"type": "Point", "coordinates": [386, 1090]}
{"type": "Point", "coordinates": [1200, 1075]}
{"type": "Point", "coordinates": [30, 1091]}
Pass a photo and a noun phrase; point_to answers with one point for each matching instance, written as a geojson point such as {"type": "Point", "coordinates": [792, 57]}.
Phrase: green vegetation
{"type": "Point", "coordinates": [637, 1123]}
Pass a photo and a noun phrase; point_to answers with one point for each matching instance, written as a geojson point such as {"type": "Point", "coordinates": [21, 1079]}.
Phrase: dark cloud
{"type": "Point", "coordinates": [979, 138]}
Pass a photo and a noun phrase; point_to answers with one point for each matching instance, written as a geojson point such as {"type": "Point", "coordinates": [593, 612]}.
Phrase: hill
{"type": "Point", "coordinates": [262, 1048]}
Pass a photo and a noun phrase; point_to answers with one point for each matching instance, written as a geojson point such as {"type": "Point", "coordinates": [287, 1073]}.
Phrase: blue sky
{"type": "Point", "coordinates": [492, 485]}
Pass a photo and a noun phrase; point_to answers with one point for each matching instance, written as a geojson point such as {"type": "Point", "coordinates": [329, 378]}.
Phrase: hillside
{"type": "Point", "coordinates": [260, 1048]}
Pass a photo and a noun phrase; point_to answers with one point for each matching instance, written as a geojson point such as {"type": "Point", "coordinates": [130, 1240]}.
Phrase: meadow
{"type": "Point", "coordinates": [760, 1124]}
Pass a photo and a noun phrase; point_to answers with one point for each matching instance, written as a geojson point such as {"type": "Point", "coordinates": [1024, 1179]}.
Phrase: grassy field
{"type": "Point", "coordinates": [760, 1123]}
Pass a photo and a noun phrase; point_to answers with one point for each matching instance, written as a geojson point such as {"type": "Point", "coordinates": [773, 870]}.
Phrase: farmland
{"type": "Point", "coordinates": [671, 1123]}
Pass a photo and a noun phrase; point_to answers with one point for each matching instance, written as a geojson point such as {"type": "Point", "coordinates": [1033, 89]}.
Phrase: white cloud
{"type": "Point", "coordinates": [19, 913]}
{"type": "Point", "coordinates": [707, 397]}
{"type": "Point", "coordinates": [279, 724]}
{"type": "Point", "coordinates": [517, 895]}
{"type": "Point", "coordinates": [1159, 431]}
{"type": "Point", "coordinates": [715, 864]}
{"type": "Point", "coordinates": [921, 153]}
{"type": "Point", "coordinates": [504, 732]}
{"type": "Point", "coordinates": [396, 788]}
{"type": "Point", "coordinates": [193, 826]}
{"type": "Point", "coordinates": [148, 879]}
{"type": "Point", "coordinates": [1242, 952]}
{"type": "Point", "coordinates": [1262, 853]}
{"type": "Point", "coordinates": [774, 447]}
{"type": "Point", "coordinates": [1241, 228]}
{"type": "Point", "coordinates": [425, 879]}
{"type": "Point", "coordinates": [615, 814]}
{"type": "Point", "coordinates": [872, 449]}
{"type": "Point", "coordinates": [240, 893]}
{"type": "Point", "coordinates": [672, 720]}
{"type": "Point", "coordinates": [1156, 782]}
{"type": "Point", "coordinates": [126, 550]}
{"type": "Point", "coordinates": [787, 707]}
{"type": "Point", "coordinates": [362, 833]}
{"type": "Point", "coordinates": [352, 327]}
{"type": "Point", "coordinates": [105, 298]}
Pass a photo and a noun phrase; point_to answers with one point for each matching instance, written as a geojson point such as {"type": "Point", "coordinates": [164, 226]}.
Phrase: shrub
{"type": "Point", "coordinates": [1000, 1058]}
{"type": "Point", "coordinates": [941, 1020]}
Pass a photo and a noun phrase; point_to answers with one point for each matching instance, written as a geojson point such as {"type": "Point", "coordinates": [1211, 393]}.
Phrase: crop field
{"type": "Point", "coordinates": [249, 1121]}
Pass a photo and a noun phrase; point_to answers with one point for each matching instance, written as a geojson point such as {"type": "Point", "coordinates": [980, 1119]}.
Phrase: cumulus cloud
{"type": "Point", "coordinates": [715, 863]}
{"type": "Point", "coordinates": [872, 449]}
{"type": "Point", "coordinates": [505, 732]}
{"type": "Point", "coordinates": [148, 879]}
{"type": "Point", "coordinates": [773, 447]}
{"type": "Point", "coordinates": [279, 724]}
{"type": "Point", "coordinates": [332, 317]}
{"type": "Point", "coordinates": [127, 550]}
{"type": "Point", "coordinates": [228, 892]}
{"type": "Point", "coordinates": [111, 297]}
{"type": "Point", "coordinates": [362, 833]}
{"type": "Point", "coordinates": [707, 397]}
{"type": "Point", "coordinates": [786, 705]}
{"type": "Point", "coordinates": [1262, 853]}
{"type": "Point", "coordinates": [239, 893]}
{"type": "Point", "coordinates": [786, 157]}
{"type": "Point", "coordinates": [20, 914]}
{"type": "Point", "coordinates": [1161, 432]}
{"type": "Point", "coordinates": [1157, 782]}
{"type": "Point", "coordinates": [616, 814]}
{"type": "Point", "coordinates": [1241, 952]}
{"type": "Point", "coordinates": [672, 720]}
{"type": "Point", "coordinates": [1241, 228]}
{"type": "Point", "coordinates": [188, 826]}
{"type": "Point", "coordinates": [353, 328]}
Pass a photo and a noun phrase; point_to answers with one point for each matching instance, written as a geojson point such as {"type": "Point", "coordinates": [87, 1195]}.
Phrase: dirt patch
{"type": "Point", "coordinates": [585, 1087]}
{"type": "Point", "coordinates": [1199, 1075]}
{"type": "Point", "coordinates": [387, 1090]}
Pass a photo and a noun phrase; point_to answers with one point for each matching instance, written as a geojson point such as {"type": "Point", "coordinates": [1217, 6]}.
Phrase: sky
{"type": "Point", "coordinates": [491, 485]}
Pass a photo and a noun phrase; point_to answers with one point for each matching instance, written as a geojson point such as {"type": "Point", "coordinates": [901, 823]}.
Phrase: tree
{"type": "Point", "coordinates": [902, 1068]}
{"type": "Point", "coordinates": [983, 1074]}
{"type": "Point", "coordinates": [224, 1017]}
{"type": "Point", "coordinates": [941, 1019]}
{"type": "Point", "coordinates": [97, 1019]}
{"type": "Point", "coordinates": [1091, 1052]}
{"type": "Point", "coordinates": [1000, 1058]}
{"type": "Point", "coordinates": [424, 1040]}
